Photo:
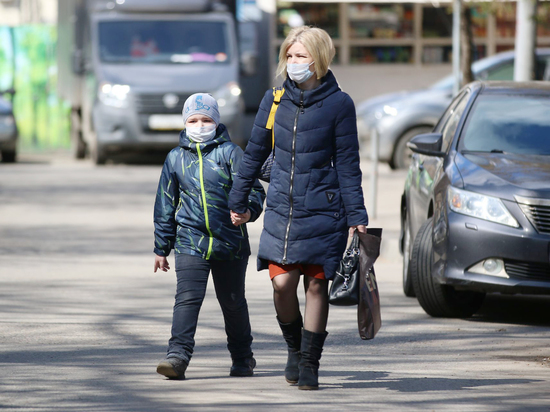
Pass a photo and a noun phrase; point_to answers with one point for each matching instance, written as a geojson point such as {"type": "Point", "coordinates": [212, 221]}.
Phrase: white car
{"type": "Point", "coordinates": [398, 117]}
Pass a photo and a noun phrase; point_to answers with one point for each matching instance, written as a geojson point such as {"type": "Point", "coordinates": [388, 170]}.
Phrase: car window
{"type": "Point", "coordinates": [503, 72]}
{"type": "Point", "coordinates": [508, 123]}
{"type": "Point", "coordinates": [443, 119]}
{"type": "Point", "coordinates": [450, 128]}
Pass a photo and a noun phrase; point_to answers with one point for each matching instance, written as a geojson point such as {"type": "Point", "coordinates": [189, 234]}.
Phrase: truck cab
{"type": "Point", "coordinates": [129, 66]}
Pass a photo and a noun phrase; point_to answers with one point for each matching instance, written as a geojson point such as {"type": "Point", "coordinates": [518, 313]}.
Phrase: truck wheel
{"type": "Point", "coordinates": [97, 154]}
{"type": "Point", "coordinates": [8, 156]}
{"type": "Point", "coordinates": [436, 299]}
{"type": "Point", "coordinates": [78, 146]}
{"type": "Point", "coordinates": [408, 288]}
{"type": "Point", "coordinates": [401, 158]}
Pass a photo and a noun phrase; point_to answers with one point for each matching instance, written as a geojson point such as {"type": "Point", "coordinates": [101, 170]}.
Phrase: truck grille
{"type": "Point", "coordinates": [527, 270]}
{"type": "Point", "coordinates": [154, 104]}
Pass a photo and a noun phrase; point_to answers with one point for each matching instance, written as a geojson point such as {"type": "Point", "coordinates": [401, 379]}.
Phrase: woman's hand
{"type": "Point", "coordinates": [161, 263]}
{"type": "Point", "coordinates": [239, 218]}
{"type": "Point", "coordinates": [360, 228]}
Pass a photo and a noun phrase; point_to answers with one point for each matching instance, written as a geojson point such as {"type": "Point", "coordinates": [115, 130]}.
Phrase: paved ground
{"type": "Point", "coordinates": [84, 321]}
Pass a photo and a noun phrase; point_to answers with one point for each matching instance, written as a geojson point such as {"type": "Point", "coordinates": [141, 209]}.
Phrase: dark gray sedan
{"type": "Point", "coordinates": [477, 200]}
{"type": "Point", "coordinates": [399, 117]}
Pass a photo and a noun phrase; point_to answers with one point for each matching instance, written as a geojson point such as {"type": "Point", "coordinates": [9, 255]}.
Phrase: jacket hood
{"type": "Point", "coordinates": [328, 86]}
{"type": "Point", "coordinates": [222, 136]}
{"type": "Point", "coordinates": [504, 175]}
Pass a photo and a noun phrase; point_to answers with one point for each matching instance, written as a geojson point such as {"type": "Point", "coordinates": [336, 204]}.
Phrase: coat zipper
{"type": "Point", "coordinates": [291, 198]}
{"type": "Point", "coordinates": [203, 193]}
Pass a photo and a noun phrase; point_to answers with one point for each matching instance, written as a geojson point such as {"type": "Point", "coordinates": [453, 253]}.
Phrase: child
{"type": "Point", "coordinates": [192, 216]}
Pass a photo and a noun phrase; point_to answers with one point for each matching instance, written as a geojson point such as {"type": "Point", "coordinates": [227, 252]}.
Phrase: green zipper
{"type": "Point", "coordinates": [203, 192]}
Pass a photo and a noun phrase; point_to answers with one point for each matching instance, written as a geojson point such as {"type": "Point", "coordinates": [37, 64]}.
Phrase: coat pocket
{"type": "Point", "coordinates": [323, 192]}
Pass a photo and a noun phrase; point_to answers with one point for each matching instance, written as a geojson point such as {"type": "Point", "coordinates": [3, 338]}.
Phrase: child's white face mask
{"type": "Point", "coordinates": [201, 134]}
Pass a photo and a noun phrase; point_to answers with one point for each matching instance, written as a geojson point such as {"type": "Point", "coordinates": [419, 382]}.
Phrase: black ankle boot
{"type": "Point", "coordinates": [292, 332]}
{"type": "Point", "coordinates": [312, 346]}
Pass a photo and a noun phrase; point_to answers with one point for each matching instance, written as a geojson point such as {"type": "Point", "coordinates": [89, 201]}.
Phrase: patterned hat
{"type": "Point", "coordinates": [201, 103]}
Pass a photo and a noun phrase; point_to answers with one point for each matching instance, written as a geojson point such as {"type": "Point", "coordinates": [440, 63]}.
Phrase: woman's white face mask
{"type": "Point", "coordinates": [201, 134]}
{"type": "Point", "coordinates": [299, 72]}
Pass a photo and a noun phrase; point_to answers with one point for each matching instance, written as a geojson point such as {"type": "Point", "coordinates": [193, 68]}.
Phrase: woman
{"type": "Point", "coordinates": [314, 195]}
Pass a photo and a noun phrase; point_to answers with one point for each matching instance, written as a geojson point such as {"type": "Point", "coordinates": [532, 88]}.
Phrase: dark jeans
{"type": "Point", "coordinates": [228, 275]}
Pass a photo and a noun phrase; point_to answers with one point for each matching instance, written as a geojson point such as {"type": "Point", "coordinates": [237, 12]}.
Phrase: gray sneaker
{"type": "Point", "coordinates": [172, 368]}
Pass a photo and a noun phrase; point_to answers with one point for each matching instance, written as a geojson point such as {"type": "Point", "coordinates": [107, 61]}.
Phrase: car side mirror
{"type": "Point", "coordinates": [428, 144]}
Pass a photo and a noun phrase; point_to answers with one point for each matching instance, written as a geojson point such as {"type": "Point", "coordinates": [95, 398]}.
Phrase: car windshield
{"type": "Point", "coordinates": [508, 123]}
{"type": "Point", "coordinates": [163, 42]}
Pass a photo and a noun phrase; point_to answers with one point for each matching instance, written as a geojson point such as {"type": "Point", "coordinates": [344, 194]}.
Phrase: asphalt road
{"type": "Point", "coordinates": [84, 321]}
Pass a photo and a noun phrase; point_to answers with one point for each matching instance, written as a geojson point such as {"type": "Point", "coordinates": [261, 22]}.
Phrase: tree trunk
{"type": "Point", "coordinates": [467, 45]}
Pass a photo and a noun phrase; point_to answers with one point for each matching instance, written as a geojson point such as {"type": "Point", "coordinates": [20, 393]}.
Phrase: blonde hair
{"type": "Point", "coordinates": [317, 42]}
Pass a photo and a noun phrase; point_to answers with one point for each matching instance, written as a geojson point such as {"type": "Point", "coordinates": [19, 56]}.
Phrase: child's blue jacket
{"type": "Point", "coordinates": [191, 209]}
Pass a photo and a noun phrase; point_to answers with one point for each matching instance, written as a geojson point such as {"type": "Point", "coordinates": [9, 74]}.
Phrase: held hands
{"type": "Point", "coordinates": [161, 263]}
{"type": "Point", "coordinates": [360, 228]}
{"type": "Point", "coordinates": [239, 218]}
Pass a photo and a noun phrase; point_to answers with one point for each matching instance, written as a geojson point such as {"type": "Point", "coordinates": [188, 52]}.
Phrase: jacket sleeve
{"type": "Point", "coordinates": [347, 163]}
{"type": "Point", "coordinates": [256, 153]}
{"type": "Point", "coordinates": [257, 194]}
{"type": "Point", "coordinates": [166, 202]}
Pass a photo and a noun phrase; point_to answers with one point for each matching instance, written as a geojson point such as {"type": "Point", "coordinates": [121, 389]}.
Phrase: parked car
{"type": "Point", "coordinates": [399, 117]}
{"type": "Point", "coordinates": [477, 200]}
{"type": "Point", "coordinates": [8, 129]}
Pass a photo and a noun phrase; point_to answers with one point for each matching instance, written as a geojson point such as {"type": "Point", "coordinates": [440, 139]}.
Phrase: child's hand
{"type": "Point", "coordinates": [239, 218]}
{"type": "Point", "coordinates": [161, 263]}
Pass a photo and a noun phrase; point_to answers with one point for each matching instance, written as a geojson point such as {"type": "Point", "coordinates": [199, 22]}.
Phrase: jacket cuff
{"type": "Point", "coordinates": [160, 252]}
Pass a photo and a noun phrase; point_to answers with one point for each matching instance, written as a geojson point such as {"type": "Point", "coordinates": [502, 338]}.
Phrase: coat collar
{"type": "Point", "coordinates": [222, 136]}
{"type": "Point", "coordinates": [328, 86]}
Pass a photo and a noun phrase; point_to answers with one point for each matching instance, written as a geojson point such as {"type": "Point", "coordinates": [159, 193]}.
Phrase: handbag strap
{"type": "Point", "coordinates": [277, 94]}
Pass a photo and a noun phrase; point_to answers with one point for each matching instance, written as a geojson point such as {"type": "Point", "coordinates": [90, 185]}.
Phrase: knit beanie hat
{"type": "Point", "coordinates": [201, 103]}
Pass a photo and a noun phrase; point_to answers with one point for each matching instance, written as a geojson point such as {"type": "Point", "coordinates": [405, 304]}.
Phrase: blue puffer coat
{"type": "Point", "coordinates": [191, 212]}
{"type": "Point", "coordinates": [315, 191]}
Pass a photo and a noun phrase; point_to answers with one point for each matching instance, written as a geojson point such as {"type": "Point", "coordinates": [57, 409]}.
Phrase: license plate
{"type": "Point", "coordinates": [166, 122]}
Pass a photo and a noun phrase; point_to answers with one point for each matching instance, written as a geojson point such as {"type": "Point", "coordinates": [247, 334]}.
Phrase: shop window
{"type": "Point", "coordinates": [506, 19]}
{"type": "Point", "coordinates": [386, 54]}
{"type": "Point", "coordinates": [437, 22]}
{"type": "Point", "coordinates": [381, 21]}
{"type": "Point", "coordinates": [324, 16]}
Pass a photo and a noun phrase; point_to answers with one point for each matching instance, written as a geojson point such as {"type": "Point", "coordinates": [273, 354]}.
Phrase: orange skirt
{"type": "Point", "coordinates": [314, 271]}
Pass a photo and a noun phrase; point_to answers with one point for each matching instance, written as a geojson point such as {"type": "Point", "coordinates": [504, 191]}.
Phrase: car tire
{"type": "Point", "coordinates": [9, 156]}
{"type": "Point", "coordinates": [408, 287]}
{"type": "Point", "coordinates": [401, 158]}
{"type": "Point", "coordinates": [436, 299]}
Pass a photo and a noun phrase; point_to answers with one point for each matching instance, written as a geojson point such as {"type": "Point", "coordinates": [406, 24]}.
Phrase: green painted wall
{"type": "Point", "coordinates": [28, 64]}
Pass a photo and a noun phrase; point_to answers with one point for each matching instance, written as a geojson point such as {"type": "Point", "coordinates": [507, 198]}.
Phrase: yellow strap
{"type": "Point", "coordinates": [277, 94]}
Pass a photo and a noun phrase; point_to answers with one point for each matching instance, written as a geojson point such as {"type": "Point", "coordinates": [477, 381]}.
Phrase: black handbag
{"type": "Point", "coordinates": [344, 290]}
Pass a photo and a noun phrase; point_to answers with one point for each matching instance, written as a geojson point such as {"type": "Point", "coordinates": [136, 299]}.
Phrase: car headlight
{"type": "Point", "coordinates": [480, 206]}
{"type": "Point", "coordinates": [387, 110]}
{"type": "Point", "coordinates": [228, 94]}
{"type": "Point", "coordinates": [115, 95]}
